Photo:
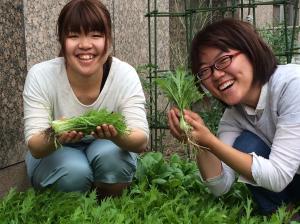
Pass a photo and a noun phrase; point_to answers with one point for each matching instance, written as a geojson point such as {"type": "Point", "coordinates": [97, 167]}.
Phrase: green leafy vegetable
{"type": "Point", "coordinates": [88, 122]}
{"type": "Point", "coordinates": [180, 88]}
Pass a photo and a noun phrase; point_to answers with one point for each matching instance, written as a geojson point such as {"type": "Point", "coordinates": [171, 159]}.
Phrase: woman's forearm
{"type": "Point", "coordinates": [238, 161]}
{"type": "Point", "coordinates": [40, 145]}
{"type": "Point", "coordinates": [135, 141]}
{"type": "Point", "coordinates": [209, 165]}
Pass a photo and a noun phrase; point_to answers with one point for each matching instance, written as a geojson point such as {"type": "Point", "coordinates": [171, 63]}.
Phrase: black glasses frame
{"type": "Point", "coordinates": [216, 65]}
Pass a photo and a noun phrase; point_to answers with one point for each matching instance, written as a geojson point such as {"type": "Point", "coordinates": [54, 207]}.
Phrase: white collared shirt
{"type": "Point", "coordinates": [260, 105]}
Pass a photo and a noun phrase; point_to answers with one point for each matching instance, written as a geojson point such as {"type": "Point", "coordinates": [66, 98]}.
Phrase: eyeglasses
{"type": "Point", "coordinates": [221, 63]}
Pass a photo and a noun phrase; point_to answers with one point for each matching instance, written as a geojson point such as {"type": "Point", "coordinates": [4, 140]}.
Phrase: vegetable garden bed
{"type": "Point", "coordinates": [163, 192]}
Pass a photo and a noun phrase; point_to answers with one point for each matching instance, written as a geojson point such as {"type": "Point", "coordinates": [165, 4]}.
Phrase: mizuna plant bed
{"type": "Point", "coordinates": [163, 191]}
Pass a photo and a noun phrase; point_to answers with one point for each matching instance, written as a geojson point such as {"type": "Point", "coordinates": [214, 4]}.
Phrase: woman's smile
{"type": "Point", "coordinates": [226, 85]}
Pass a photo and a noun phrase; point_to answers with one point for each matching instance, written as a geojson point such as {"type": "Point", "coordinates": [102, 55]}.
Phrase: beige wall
{"type": "Point", "coordinates": [129, 29]}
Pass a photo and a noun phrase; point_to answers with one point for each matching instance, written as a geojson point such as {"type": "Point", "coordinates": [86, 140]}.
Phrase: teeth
{"type": "Point", "coordinates": [85, 57]}
{"type": "Point", "coordinates": [226, 84]}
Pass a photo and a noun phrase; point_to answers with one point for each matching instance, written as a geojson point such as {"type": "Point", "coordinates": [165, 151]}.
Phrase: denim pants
{"type": "Point", "coordinates": [266, 200]}
{"type": "Point", "coordinates": [75, 167]}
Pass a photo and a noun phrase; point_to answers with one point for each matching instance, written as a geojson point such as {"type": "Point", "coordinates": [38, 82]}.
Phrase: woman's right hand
{"type": "Point", "coordinates": [173, 121]}
{"type": "Point", "coordinates": [40, 145]}
{"type": "Point", "coordinates": [70, 137]}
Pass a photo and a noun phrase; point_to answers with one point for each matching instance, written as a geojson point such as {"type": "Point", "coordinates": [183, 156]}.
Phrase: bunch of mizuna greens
{"type": "Point", "coordinates": [87, 122]}
{"type": "Point", "coordinates": [180, 88]}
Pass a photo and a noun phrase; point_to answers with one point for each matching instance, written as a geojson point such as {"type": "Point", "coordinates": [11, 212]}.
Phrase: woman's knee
{"type": "Point", "coordinates": [66, 170]}
{"type": "Point", "coordinates": [111, 164]}
{"type": "Point", "coordinates": [77, 177]}
{"type": "Point", "coordinates": [249, 142]}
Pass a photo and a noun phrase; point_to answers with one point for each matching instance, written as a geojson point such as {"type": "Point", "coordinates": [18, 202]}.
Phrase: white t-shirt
{"type": "Point", "coordinates": [49, 96]}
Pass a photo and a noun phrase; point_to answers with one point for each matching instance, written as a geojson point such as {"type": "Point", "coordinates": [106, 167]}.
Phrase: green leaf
{"type": "Point", "coordinates": [159, 181]}
{"type": "Point", "coordinates": [180, 87]}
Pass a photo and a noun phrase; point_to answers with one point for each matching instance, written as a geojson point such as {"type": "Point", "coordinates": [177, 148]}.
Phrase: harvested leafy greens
{"type": "Point", "coordinates": [180, 88]}
{"type": "Point", "coordinates": [88, 122]}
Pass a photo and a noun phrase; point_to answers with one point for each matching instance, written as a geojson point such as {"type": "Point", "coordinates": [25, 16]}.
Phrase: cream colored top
{"type": "Point", "coordinates": [48, 95]}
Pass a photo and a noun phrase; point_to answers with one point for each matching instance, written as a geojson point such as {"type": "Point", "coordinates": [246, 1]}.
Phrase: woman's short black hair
{"type": "Point", "coordinates": [236, 35]}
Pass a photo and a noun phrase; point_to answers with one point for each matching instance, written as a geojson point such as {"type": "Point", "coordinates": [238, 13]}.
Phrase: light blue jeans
{"type": "Point", "coordinates": [75, 167]}
{"type": "Point", "coordinates": [267, 201]}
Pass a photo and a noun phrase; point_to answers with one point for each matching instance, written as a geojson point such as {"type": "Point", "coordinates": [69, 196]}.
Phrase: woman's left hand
{"type": "Point", "coordinates": [200, 133]}
{"type": "Point", "coordinates": [105, 131]}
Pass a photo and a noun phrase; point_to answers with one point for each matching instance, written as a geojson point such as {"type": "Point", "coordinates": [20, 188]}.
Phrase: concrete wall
{"type": "Point", "coordinates": [13, 63]}
{"type": "Point", "coordinates": [27, 36]}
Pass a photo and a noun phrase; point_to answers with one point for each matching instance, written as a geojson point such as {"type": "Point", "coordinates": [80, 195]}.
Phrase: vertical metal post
{"type": "Point", "coordinates": [288, 58]}
{"type": "Point", "coordinates": [242, 9]}
{"type": "Point", "coordinates": [187, 25]}
{"type": "Point", "coordinates": [296, 9]}
{"type": "Point", "coordinates": [254, 12]}
{"type": "Point", "coordinates": [155, 76]}
{"type": "Point", "coordinates": [233, 8]}
{"type": "Point", "coordinates": [150, 72]}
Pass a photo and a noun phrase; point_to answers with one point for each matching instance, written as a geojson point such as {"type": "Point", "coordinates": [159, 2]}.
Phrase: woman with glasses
{"type": "Point", "coordinates": [259, 132]}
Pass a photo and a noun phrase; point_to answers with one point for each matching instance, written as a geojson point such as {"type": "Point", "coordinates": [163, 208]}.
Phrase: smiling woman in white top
{"type": "Point", "coordinates": [259, 133]}
{"type": "Point", "coordinates": [85, 77]}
